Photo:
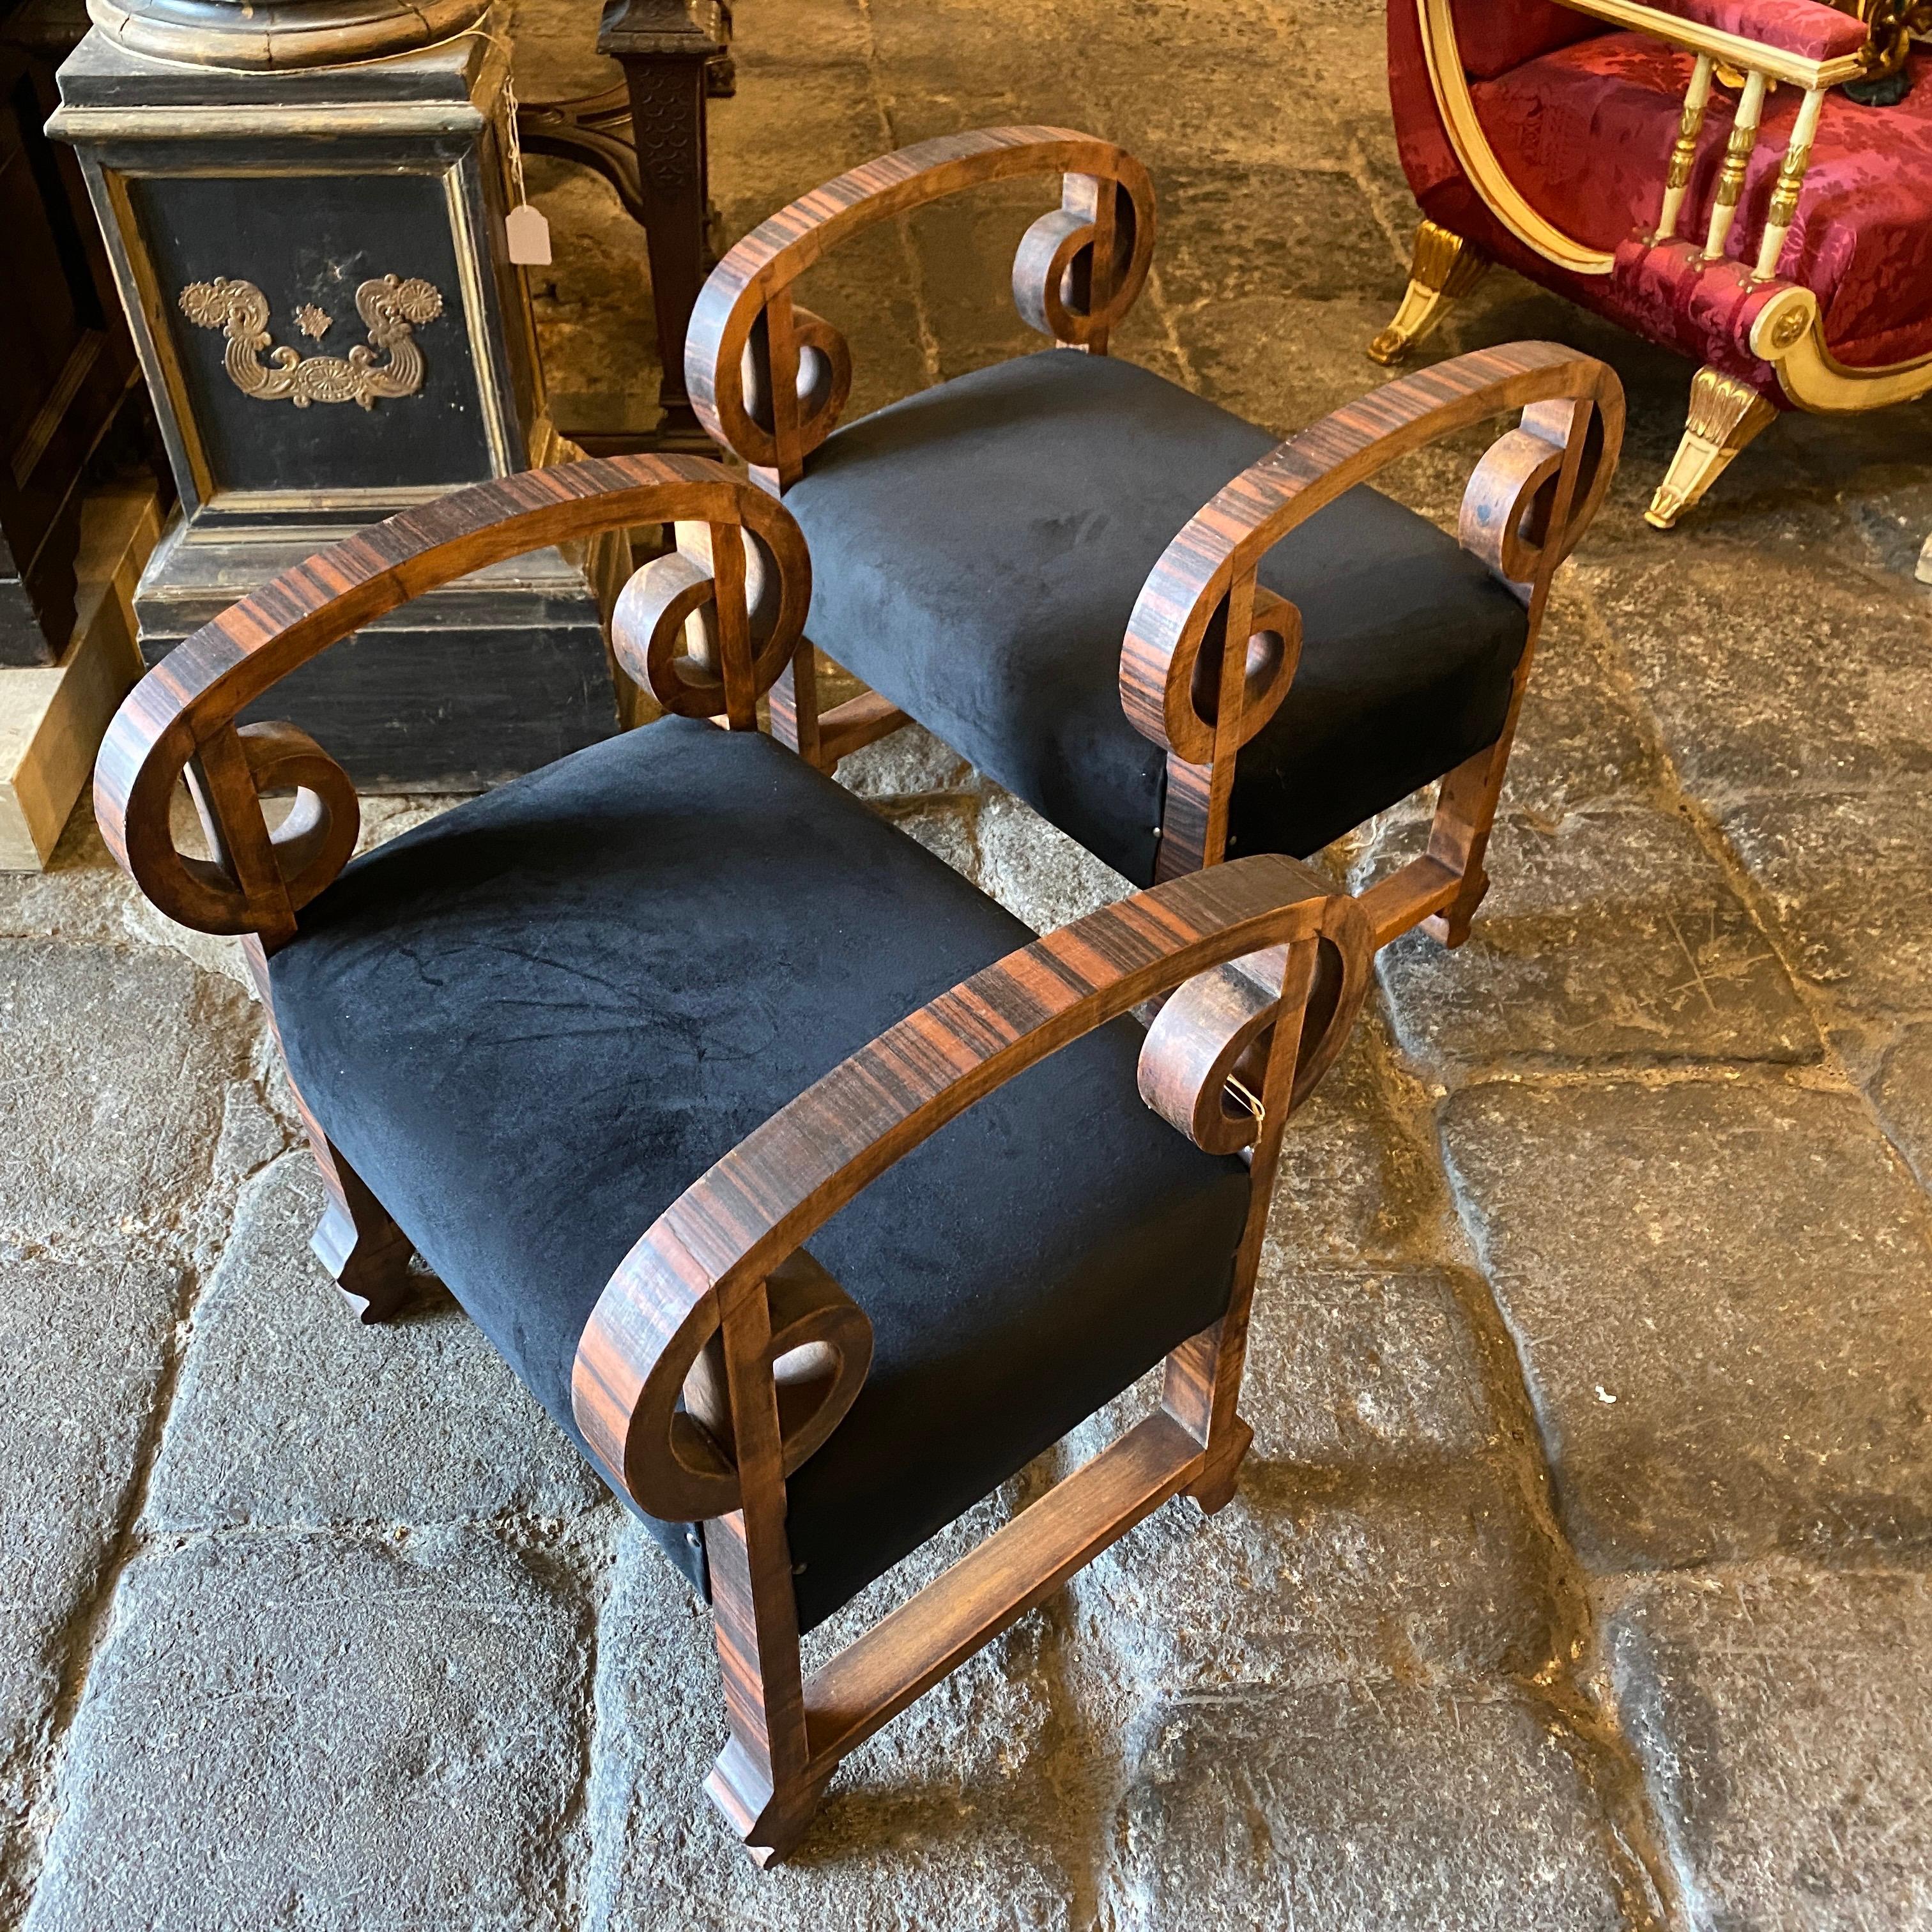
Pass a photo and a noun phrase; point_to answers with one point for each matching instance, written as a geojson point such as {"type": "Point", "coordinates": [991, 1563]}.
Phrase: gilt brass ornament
{"type": "Point", "coordinates": [390, 308]}
{"type": "Point", "coordinates": [1893, 24]}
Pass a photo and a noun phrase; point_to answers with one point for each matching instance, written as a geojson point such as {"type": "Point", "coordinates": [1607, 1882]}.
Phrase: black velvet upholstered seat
{"type": "Point", "coordinates": [530, 1024]}
{"type": "Point", "coordinates": [977, 550]}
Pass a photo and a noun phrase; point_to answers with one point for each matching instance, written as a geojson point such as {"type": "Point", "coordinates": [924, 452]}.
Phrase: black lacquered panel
{"type": "Point", "coordinates": [307, 242]}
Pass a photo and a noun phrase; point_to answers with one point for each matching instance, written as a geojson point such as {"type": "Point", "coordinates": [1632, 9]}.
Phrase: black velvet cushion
{"type": "Point", "coordinates": [976, 551]}
{"type": "Point", "coordinates": [532, 1023]}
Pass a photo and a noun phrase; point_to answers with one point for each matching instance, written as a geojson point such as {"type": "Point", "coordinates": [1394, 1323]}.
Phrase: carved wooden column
{"type": "Point", "coordinates": [304, 205]}
{"type": "Point", "coordinates": [667, 59]}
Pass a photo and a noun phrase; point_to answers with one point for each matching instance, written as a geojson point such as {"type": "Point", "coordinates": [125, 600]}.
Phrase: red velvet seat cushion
{"type": "Point", "coordinates": [1585, 131]}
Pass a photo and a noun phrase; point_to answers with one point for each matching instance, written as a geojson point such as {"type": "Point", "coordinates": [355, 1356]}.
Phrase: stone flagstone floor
{"type": "Point", "coordinates": [1578, 1578]}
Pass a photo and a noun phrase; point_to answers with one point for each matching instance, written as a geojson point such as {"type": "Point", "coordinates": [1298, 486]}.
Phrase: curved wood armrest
{"type": "Point", "coordinates": [720, 1240]}
{"type": "Point", "coordinates": [768, 380]}
{"type": "Point", "coordinates": [1179, 684]}
{"type": "Point", "coordinates": [184, 709]}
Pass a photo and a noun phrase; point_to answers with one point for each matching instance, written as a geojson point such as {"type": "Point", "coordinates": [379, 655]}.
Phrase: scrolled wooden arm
{"type": "Point", "coordinates": [1204, 1065]}
{"type": "Point", "coordinates": [1181, 685]}
{"type": "Point", "coordinates": [768, 379]}
{"type": "Point", "coordinates": [181, 715]}
{"type": "Point", "coordinates": [711, 1252]}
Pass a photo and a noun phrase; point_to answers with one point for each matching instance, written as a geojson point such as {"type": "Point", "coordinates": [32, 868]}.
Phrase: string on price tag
{"type": "Point", "coordinates": [526, 230]}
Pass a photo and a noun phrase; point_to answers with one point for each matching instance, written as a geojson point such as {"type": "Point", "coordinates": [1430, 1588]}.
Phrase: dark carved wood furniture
{"type": "Point", "coordinates": [981, 549]}
{"type": "Point", "coordinates": [1717, 175]}
{"type": "Point", "coordinates": [648, 137]}
{"type": "Point", "coordinates": [722, 1105]}
{"type": "Point", "coordinates": [308, 244]}
{"type": "Point", "coordinates": [67, 364]}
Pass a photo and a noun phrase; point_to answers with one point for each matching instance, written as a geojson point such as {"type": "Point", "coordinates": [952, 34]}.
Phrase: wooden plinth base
{"type": "Point", "coordinates": [52, 718]}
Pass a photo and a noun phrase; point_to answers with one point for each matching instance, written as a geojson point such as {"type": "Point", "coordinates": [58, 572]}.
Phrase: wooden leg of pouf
{"type": "Point", "coordinates": [794, 705]}
{"type": "Point", "coordinates": [1443, 268]}
{"type": "Point", "coordinates": [1459, 837]}
{"type": "Point", "coordinates": [770, 1822]}
{"type": "Point", "coordinates": [357, 1240]}
{"type": "Point", "coordinates": [1725, 415]}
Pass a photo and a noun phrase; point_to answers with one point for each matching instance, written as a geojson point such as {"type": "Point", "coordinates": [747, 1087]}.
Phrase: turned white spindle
{"type": "Point", "coordinates": [1783, 210]}
{"type": "Point", "coordinates": [1737, 159]}
{"type": "Point", "coordinates": [1684, 155]}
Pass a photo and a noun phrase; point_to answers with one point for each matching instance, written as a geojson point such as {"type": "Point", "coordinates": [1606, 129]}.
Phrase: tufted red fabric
{"type": "Point", "coordinates": [1806, 28]}
{"type": "Point", "coordinates": [1585, 131]}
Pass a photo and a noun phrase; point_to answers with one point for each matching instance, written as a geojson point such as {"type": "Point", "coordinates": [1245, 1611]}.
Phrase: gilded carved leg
{"type": "Point", "coordinates": [1725, 415]}
{"type": "Point", "coordinates": [1444, 268]}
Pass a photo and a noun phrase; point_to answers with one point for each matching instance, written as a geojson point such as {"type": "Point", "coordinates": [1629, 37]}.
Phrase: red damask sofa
{"type": "Point", "coordinates": [1696, 170]}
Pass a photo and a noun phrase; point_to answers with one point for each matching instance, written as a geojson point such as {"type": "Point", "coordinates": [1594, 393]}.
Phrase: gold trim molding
{"type": "Point", "coordinates": [391, 309]}
{"type": "Point", "coordinates": [1789, 333]}
{"type": "Point", "coordinates": [1478, 159]}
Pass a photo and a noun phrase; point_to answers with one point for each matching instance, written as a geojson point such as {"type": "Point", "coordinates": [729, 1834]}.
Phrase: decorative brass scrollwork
{"type": "Point", "coordinates": [390, 307]}
{"type": "Point", "coordinates": [1893, 23]}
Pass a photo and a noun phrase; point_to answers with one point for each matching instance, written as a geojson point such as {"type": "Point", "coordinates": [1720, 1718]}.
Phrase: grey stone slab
{"type": "Point", "coordinates": [389, 816]}
{"type": "Point", "coordinates": [965, 1812]}
{"type": "Point", "coordinates": [911, 763]}
{"type": "Point", "coordinates": [81, 897]}
{"type": "Point", "coordinates": [1615, 937]}
{"type": "Point", "coordinates": [1581, 739]}
{"type": "Point", "coordinates": [1903, 1093]}
{"type": "Point", "coordinates": [1815, 675]}
{"type": "Point", "coordinates": [1450, 1809]}
{"type": "Point", "coordinates": [1357, 1182]}
{"type": "Point", "coordinates": [84, 1345]}
{"type": "Point", "coordinates": [1721, 1293]}
{"type": "Point", "coordinates": [1416, 1574]}
{"type": "Point", "coordinates": [1782, 1722]}
{"type": "Point", "coordinates": [1847, 876]}
{"type": "Point", "coordinates": [1035, 870]}
{"type": "Point", "coordinates": [1266, 229]}
{"type": "Point", "coordinates": [963, 248]}
{"type": "Point", "coordinates": [114, 1068]}
{"type": "Point", "coordinates": [1388, 1523]}
{"type": "Point", "coordinates": [1217, 104]}
{"type": "Point", "coordinates": [946, 827]}
{"type": "Point", "coordinates": [289, 1411]}
{"type": "Point", "coordinates": [1284, 360]}
{"type": "Point", "coordinates": [325, 1733]}
{"type": "Point", "coordinates": [1359, 1370]}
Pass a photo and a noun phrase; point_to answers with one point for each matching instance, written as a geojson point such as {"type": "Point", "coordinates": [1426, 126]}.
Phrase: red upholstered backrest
{"type": "Point", "coordinates": [1496, 35]}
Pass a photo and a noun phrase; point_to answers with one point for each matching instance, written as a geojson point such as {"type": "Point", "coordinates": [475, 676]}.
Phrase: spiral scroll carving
{"type": "Point", "coordinates": [317, 837]}
{"type": "Point", "coordinates": [1512, 493]}
{"type": "Point", "coordinates": [707, 641]}
{"type": "Point", "coordinates": [1204, 1062]}
{"type": "Point", "coordinates": [680, 1465]}
{"type": "Point", "coordinates": [310, 847]}
{"type": "Point", "coordinates": [1060, 287]}
{"type": "Point", "coordinates": [1191, 697]}
{"type": "Point", "coordinates": [822, 382]}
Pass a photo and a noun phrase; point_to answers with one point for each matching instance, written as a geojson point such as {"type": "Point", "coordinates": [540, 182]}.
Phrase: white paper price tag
{"type": "Point", "coordinates": [529, 235]}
